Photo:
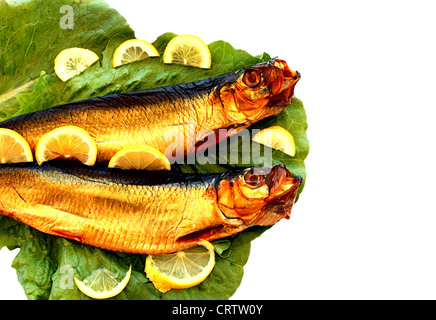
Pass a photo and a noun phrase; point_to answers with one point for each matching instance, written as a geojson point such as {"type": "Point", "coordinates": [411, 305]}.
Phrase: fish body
{"type": "Point", "coordinates": [149, 117]}
{"type": "Point", "coordinates": [143, 212]}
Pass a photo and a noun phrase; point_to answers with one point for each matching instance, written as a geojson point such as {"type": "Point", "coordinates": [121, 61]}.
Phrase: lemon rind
{"type": "Point", "coordinates": [282, 133]}
{"type": "Point", "coordinates": [123, 152]}
{"type": "Point", "coordinates": [22, 142]}
{"type": "Point", "coordinates": [187, 38]}
{"type": "Point", "coordinates": [64, 55]}
{"type": "Point", "coordinates": [117, 56]}
{"type": "Point", "coordinates": [106, 294]}
{"type": "Point", "coordinates": [42, 142]}
{"type": "Point", "coordinates": [165, 283]}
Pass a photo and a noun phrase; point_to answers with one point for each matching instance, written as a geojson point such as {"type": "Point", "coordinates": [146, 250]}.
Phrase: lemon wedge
{"type": "Point", "coordinates": [68, 142]}
{"type": "Point", "coordinates": [133, 50]}
{"type": "Point", "coordinates": [188, 50]}
{"type": "Point", "coordinates": [181, 270]}
{"type": "Point", "coordinates": [73, 61]}
{"type": "Point", "coordinates": [140, 158]}
{"type": "Point", "coordinates": [102, 284]}
{"type": "Point", "coordinates": [13, 147]}
{"type": "Point", "coordinates": [278, 138]}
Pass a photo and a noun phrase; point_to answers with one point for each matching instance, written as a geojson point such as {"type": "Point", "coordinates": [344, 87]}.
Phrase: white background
{"type": "Point", "coordinates": [364, 227]}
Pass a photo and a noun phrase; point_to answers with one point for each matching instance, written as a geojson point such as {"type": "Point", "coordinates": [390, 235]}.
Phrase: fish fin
{"type": "Point", "coordinates": [230, 227]}
{"type": "Point", "coordinates": [215, 137]}
{"type": "Point", "coordinates": [204, 234]}
{"type": "Point", "coordinates": [49, 220]}
{"type": "Point", "coordinates": [61, 223]}
{"type": "Point", "coordinates": [74, 235]}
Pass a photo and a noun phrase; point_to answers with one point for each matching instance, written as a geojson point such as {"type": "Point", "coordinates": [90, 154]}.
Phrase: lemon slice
{"type": "Point", "coordinates": [13, 147]}
{"type": "Point", "coordinates": [188, 50]}
{"type": "Point", "coordinates": [68, 142]}
{"type": "Point", "coordinates": [102, 284]}
{"type": "Point", "coordinates": [278, 138]}
{"type": "Point", "coordinates": [181, 270]}
{"type": "Point", "coordinates": [73, 61]}
{"type": "Point", "coordinates": [140, 158]}
{"type": "Point", "coordinates": [133, 50]}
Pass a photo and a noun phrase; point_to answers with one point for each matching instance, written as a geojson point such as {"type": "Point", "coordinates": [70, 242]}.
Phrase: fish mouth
{"type": "Point", "coordinates": [288, 74]}
{"type": "Point", "coordinates": [290, 78]}
{"type": "Point", "coordinates": [281, 206]}
{"type": "Point", "coordinates": [282, 86]}
{"type": "Point", "coordinates": [283, 193]}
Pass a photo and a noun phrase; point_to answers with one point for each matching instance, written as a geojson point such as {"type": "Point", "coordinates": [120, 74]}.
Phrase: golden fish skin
{"type": "Point", "coordinates": [116, 121]}
{"type": "Point", "coordinates": [142, 212]}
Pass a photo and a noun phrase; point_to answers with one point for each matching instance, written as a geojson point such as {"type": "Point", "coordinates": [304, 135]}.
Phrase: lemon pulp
{"type": "Point", "coordinates": [188, 50]}
{"type": "Point", "coordinates": [181, 270]}
{"type": "Point", "coordinates": [73, 61]}
{"type": "Point", "coordinates": [13, 147]}
{"type": "Point", "coordinates": [67, 142]}
{"type": "Point", "coordinates": [140, 158]}
{"type": "Point", "coordinates": [278, 138]}
{"type": "Point", "coordinates": [133, 50]}
{"type": "Point", "coordinates": [102, 284]}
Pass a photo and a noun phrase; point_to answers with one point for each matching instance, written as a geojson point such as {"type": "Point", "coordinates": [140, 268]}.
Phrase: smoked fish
{"type": "Point", "coordinates": [143, 211]}
{"type": "Point", "coordinates": [232, 101]}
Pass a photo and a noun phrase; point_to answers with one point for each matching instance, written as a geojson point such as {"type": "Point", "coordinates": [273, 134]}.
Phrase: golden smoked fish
{"type": "Point", "coordinates": [142, 211]}
{"type": "Point", "coordinates": [230, 101]}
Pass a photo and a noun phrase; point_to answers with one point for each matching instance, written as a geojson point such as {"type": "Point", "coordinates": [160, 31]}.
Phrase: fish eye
{"type": "Point", "coordinates": [253, 179]}
{"type": "Point", "coordinates": [251, 78]}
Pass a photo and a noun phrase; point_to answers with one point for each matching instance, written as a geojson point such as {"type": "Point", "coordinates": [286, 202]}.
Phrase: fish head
{"type": "Point", "coordinates": [262, 90]}
{"type": "Point", "coordinates": [258, 196]}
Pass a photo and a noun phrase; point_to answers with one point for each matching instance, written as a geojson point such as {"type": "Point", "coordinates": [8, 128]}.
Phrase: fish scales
{"type": "Point", "coordinates": [115, 122]}
{"type": "Point", "coordinates": [141, 211]}
{"type": "Point", "coordinates": [230, 101]}
{"type": "Point", "coordinates": [103, 210]}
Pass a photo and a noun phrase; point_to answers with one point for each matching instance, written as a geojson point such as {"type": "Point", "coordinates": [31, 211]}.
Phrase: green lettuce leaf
{"type": "Point", "coordinates": [47, 264]}
{"type": "Point", "coordinates": [31, 36]}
